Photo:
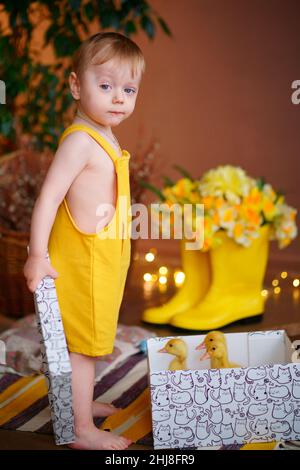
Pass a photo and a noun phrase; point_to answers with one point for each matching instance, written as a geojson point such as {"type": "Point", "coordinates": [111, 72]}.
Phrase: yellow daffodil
{"type": "Point", "coordinates": [232, 201]}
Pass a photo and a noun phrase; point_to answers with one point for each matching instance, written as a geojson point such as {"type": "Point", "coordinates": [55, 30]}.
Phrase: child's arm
{"type": "Point", "coordinates": [69, 160]}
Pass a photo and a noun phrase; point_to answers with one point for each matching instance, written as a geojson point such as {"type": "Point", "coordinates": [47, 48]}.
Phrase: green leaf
{"type": "Point", "coordinates": [89, 11]}
{"type": "Point", "coordinates": [182, 171]}
{"type": "Point", "coordinates": [148, 26]}
{"type": "Point", "coordinates": [152, 188]}
{"type": "Point", "coordinates": [279, 194]}
{"type": "Point", "coordinates": [75, 4]}
{"type": "Point", "coordinates": [129, 27]}
{"type": "Point", "coordinates": [260, 183]}
{"type": "Point", "coordinates": [164, 26]}
{"type": "Point", "coordinates": [50, 34]}
{"type": "Point", "coordinates": [168, 181]}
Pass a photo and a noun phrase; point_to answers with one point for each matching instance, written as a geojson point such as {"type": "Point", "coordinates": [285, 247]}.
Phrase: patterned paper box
{"type": "Point", "coordinates": [56, 360]}
{"type": "Point", "coordinates": [201, 407]}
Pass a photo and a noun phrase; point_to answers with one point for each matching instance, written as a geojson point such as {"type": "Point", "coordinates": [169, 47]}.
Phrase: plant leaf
{"type": "Point", "coordinates": [184, 172]}
{"type": "Point", "coordinates": [152, 188]}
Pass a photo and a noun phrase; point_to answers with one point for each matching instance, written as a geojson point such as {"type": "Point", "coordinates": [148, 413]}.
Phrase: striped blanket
{"type": "Point", "coordinates": [24, 403]}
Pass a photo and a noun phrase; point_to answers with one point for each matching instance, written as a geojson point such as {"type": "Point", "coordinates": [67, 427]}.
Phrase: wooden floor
{"type": "Point", "coordinates": [282, 311]}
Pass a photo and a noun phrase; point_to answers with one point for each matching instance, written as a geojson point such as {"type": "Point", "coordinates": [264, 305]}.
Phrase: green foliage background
{"type": "Point", "coordinates": [45, 97]}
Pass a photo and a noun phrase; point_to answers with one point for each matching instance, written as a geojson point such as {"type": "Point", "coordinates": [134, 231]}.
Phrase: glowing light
{"type": "Point", "coordinates": [179, 277]}
{"type": "Point", "coordinates": [275, 282]}
{"type": "Point", "coordinates": [147, 277]}
{"type": "Point", "coordinates": [296, 282]}
{"type": "Point", "coordinates": [284, 275]}
{"type": "Point", "coordinates": [264, 292]}
{"type": "Point", "coordinates": [149, 257]}
{"type": "Point", "coordinates": [154, 277]}
{"type": "Point", "coordinates": [162, 279]}
{"type": "Point", "coordinates": [162, 288]}
{"type": "Point", "coordinates": [163, 270]}
{"type": "Point", "coordinates": [277, 290]}
{"type": "Point", "coordinates": [296, 294]}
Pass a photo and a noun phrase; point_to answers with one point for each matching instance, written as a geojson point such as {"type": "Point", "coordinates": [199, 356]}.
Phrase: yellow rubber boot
{"type": "Point", "coordinates": [196, 267]}
{"type": "Point", "coordinates": [235, 291]}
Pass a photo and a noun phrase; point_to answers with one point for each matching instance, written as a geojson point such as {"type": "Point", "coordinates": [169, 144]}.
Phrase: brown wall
{"type": "Point", "coordinates": [219, 93]}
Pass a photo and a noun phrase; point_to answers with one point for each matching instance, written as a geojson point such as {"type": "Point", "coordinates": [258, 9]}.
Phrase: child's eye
{"type": "Point", "coordinates": [131, 89]}
{"type": "Point", "coordinates": [104, 85]}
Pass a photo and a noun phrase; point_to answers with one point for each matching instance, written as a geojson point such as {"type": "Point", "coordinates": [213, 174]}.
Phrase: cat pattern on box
{"type": "Point", "coordinates": [56, 363]}
{"type": "Point", "coordinates": [202, 408]}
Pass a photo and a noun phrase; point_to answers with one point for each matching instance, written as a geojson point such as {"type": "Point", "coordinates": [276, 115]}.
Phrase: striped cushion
{"type": "Point", "coordinates": [24, 403]}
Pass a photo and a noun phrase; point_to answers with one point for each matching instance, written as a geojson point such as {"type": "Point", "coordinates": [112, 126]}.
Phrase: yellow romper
{"type": "Point", "coordinates": [92, 270]}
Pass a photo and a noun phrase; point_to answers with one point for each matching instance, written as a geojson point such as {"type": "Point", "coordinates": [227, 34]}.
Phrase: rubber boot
{"type": "Point", "coordinates": [235, 291]}
{"type": "Point", "coordinates": [196, 266]}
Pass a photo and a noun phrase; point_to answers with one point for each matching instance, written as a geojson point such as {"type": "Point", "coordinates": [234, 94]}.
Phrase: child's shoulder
{"type": "Point", "coordinates": [81, 142]}
{"type": "Point", "coordinates": [75, 138]}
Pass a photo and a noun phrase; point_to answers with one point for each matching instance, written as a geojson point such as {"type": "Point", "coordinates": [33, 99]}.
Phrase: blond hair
{"type": "Point", "coordinates": [104, 46]}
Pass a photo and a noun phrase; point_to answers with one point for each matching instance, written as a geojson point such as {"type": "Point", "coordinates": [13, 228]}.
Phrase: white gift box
{"type": "Point", "coordinates": [201, 407]}
{"type": "Point", "coordinates": [55, 360]}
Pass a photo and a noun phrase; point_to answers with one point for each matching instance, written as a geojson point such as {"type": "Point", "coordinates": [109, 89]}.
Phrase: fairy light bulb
{"type": "Point", "coordinates": [275, 282]}
{"type": "Point", "coordinates": [277, 290]}
{"type": "Point", "coordinates": [149, 257]}
{"type": "Point", "coordinates": [264, 293]}
{"type": "Point", "coordinates": [284, 275]}
{"type": "Point", "coordinates": [179, 277]}
{"type": "Point", "coordinates": [162, 280]}
{"type": "Point", "coordinates": [147, 277]}
{"type": "Point", "coordinates": [163, 270]}
{"type": "Point", "coordinates": [296, 282]}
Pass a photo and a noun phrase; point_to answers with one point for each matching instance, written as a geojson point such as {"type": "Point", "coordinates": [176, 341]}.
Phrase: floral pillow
{"type": "Point", "coordinates": [21, 351]}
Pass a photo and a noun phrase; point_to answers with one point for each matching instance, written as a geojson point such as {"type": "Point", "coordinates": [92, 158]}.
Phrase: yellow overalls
{"type": "Point", "coordinates": [92, 270]}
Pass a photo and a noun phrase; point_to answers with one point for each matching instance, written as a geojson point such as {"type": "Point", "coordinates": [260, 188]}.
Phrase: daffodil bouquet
{"type": "Point", "coordinates": [232, 202]}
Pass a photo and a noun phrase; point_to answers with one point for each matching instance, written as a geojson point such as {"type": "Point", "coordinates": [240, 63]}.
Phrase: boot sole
{"type": "Point", "coordinates": [245, 321]}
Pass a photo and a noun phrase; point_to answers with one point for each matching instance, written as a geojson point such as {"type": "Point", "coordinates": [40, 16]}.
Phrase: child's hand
{"type": "Point", "coordinates": [35, 269]}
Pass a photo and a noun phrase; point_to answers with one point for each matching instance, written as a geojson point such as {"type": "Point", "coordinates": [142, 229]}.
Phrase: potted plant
{"type": "Point", "coordinates": [38, 106]}
{"type": "Point", "coordinates": [241, 215]}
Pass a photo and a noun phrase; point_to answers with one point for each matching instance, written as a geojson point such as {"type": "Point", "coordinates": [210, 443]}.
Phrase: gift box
{"type": "Point", "coordinates": [55, 360]}
{"type": "Point", "coordinates": [202, 407]}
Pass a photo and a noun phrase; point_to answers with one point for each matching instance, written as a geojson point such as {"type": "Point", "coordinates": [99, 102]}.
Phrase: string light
{"type": "Point", "coordinates": [162, 280]}
{"type": "Point", "coordinates": [179, 277]}
{"type": "Point", "coordinates": [163, 270]}
{"type": "Point", "coordinates": [149, 257]}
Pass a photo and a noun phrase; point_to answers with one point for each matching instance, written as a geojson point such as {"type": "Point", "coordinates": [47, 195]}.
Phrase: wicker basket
{"type": "Point", "coordinates": [21, 176]}
{"type": "Point", "coordinates": [15, 298]}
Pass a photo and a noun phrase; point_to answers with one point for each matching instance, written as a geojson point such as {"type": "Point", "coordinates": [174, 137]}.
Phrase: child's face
{"type": "Point", "coordinates": [105, 89]}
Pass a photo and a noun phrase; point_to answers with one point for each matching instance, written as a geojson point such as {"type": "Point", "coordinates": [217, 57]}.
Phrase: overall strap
{"type": "Point", "coordinates": [98, 137]}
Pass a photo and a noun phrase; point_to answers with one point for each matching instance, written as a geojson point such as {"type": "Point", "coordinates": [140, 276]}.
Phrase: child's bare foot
{"type": "Point", "coordinates": [93, 439]}
{"type": "Point", "coordinates": [103, 409]}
